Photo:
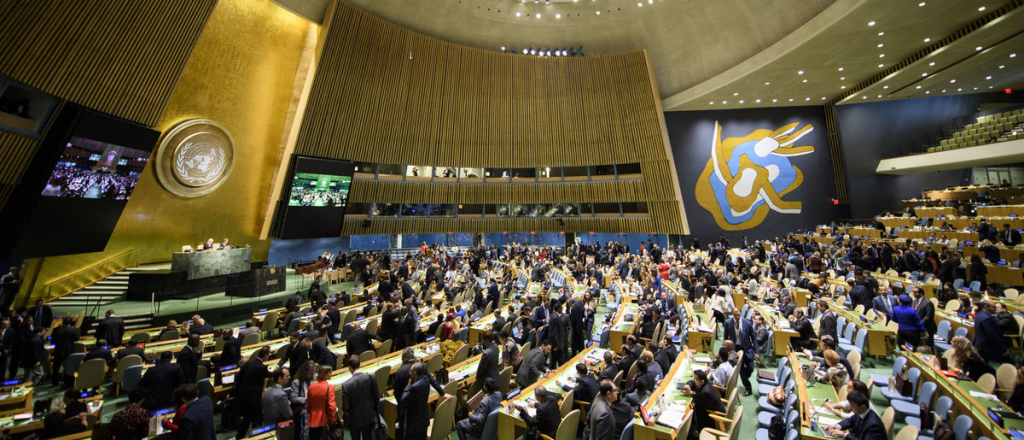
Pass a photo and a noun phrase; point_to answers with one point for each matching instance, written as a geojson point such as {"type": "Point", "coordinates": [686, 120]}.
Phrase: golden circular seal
{"type": "Point", "coordinates": [195, 158]}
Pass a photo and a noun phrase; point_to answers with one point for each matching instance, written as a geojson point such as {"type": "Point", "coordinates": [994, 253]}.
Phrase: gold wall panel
{"type": "Point", "coordinates": [385, 94]}
{"type": "Point", "coordinates": [241, 75]}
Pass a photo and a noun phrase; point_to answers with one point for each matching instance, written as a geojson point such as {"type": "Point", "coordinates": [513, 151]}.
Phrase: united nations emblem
{"type": "Point", "coordinates": [195, 158]}
{"type": "Point", "coordinates": [747, 177]}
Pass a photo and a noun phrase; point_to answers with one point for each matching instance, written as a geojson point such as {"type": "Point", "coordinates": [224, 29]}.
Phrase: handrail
{"type": "Point", "coordinates": [76, 278]}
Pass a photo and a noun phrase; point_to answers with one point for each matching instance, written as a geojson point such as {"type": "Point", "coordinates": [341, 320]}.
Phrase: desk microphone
{"type": "Point", "coordinates": [816, 411]}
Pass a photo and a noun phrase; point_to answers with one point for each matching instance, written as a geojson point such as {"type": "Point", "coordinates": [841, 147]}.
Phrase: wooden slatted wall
{"type": "Point", "coordinates": [119, 57]}
{"type": "Point", "coordinates": [385, 94]}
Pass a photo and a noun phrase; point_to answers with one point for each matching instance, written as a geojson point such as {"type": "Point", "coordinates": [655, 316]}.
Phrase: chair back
{"type": "Point", "coordinates": [627, 432]}
{"type": "Point", "coordinates": [385, 347]}
{"type": "Point", "coordinates": [503, 381]}
{"type": "Point", "coordinates": [899, 365]}
{"type": "Point", "coordinates": [854, 359]}
{"type": "Point", "coordinates": [633, 370]}
{"type": "Point", "coordinates": [205, 386]}
{"type": "Point", "coordinates": [382, 373]}
{"type": "Point", "coordinates": [91, 374]}
{"type": "Point", "coordinates": [943, 330]}
{"type": "Point", "coordinates": [293, 325]}
{"type": "Point", "coordinates": [567, 429]}
{"type": "Point", "coordinates": [73, 362]}
{"type": "Point", "coordinates": [963, 426]}
{"type": "Point", "coordinates": [566, 404]}
{"type": "Point", "coordinates": [435, 363]}
{"type": "Point", "coordinates": [862, 338]}
{"type": "Point", "coordinates": [908, 432]}
{"type": "Point", "coordinates": [927, 394]}
{"type": "Point", "coordinates": [888, 419]}
{"type": "Point", "coordinates": [170, 335]}
{"type": "Point", "coordinates": [460, 354]}
{"type": "Point", "coordinates": [269, 322]}
{"type": "Point", "coordinates": [142, 337]}
{"type": "Point", "coordinates": [987, 382]}
{"type": "Point", "coordinates": [942, 406]}
{"type": "Point", "coordinates": [371, 327]}
{"type": "Point", "coordinates": [491, 425]}
{"type": "Point", "coordinates": [123, 364]}
{"type": "Point", "coordinates": [251, 339]}
{"type": "Point", "coordinates": [201, 372]}
{"type": "Point", "coordinates": [962, 331]}
{"type": "Point", "coordinates": [914, 377]}
{"type": "Point", "coordinates": [842, 392]}
{"type": "Point", "coordinates": [1006, 376]}
{"type": "Point", "coordinates": [952, 305]}
{"type": "Point", "coordinates": [443, 420]}
{"type": "Point", "coordinates": [131, 377]}
{"type": "Point", "coordinates": [367, 356]}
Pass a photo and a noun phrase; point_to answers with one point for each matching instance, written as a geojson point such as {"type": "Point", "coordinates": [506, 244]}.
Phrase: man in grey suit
{"type": "Point", "coordinates": [601, 422]}
{"type": "Point", "coordinates": [533, 364]}
{"type": "Point", "coordinates": [276, 406]}
{"type": "Point", "coordinates": [473, 426]}
{"type": "Point", "coordinates": [359, 398]}
{"type": "Point", "coordinates": [827, 325]}
{"type": "Point", "coordinates": [488, 367]}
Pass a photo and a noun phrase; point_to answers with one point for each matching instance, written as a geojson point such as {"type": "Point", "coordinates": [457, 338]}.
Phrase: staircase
{"type": "Point", "coordinates": [95, 297]}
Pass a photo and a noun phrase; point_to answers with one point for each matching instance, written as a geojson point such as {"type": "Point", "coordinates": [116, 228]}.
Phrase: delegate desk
{"type": "Point", "coordinates": [924, 234]}
{"type": "Point", "coordinates": [480, 326]}
{"type": "Point", "coordinates": [955, 322]}
{"type": "Point", "coordinates": [463, 373]}
{"type": "Point", "coordinates": [1001, 211]}
{"type": "Point", "coordinates": [1000, 274]}
{"type": "Point", "coordinates": [510, 425]}
{"type": "Point", "coordinates": [680, 373]}
{"type": "Point", "coordinates": [897, 222]}
{"type": "Point", "coordinates": [968, 222]}
{"type": "Point", "coordinates": [933, 212]}
{"type": "Point", "coordinates": [968, 398]}
{"type": "Point", "coordinates": [702, 329]}
{"type": "Point", "coordinates": [811, 396]}
{"type": "Point", "coordinates": [783, 333]}
{"type": "Point", "coordinates": [915, 203]}
{"type": "Point", "coordinates": [881, 339]}
{"type": "Point", "coordinates": [1009, 254]}
{"type": "Point", "coordinates": [198, 265]}
{"type": "Point", "coordinates": [858, 231]}
{"type": "Point", "coordinates": [622, 325]}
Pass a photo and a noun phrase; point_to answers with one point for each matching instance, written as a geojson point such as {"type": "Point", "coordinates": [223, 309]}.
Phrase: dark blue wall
{"type": "Point", "coordinates": [692, 134]}
{"type": "Point", "coordinates": [415, 240]}
{"type": "Point", "coordinates": [538, 239]}
{"type": "Point", "coordinates": [874, 131]}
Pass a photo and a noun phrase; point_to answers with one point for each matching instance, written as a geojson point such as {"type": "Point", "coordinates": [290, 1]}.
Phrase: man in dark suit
{"type": "Point", "coordinates": [600, 421]}
{"type": "Point", "coordinates": [863, 425]}
{"type": "Point", "coordinates": [802, 325]}
{"type": "Point", "coordinates": [413, 404]}
{"type": "Point", "coordinates": [248, 388]}
{"type": "Point", "coordinates": [111, 329]}
{"type": "Point", "coordinates": [231, 353]}
{"type": "Point", "coordinates": [297, 353]}
{"type": "Point", "coordinates": [493, 295]}
{"type": "Point", "coordinates": [548, 415]}
{"type": "Point", "coordinates": [860, 295]}
{"type": "Point", "coordinates": [359, 341]}
{"type": "Point", "coordinates": [786, 306]}
{"type": "Point", "coordinates": [829, 321]}
{"type": "Point", "coordinates": [988, 337]}
{"type": "Point", "coordinates": [499, 321]}
{"type": "Point", "coordinates": [610, 369]}
{"type": "Point", "coordinates": [188, 358]}
{"type": "Point", "coordinates": [586, 386]}
{"type": "Point", "coordinates": [7, 341]}
{"type": "Point", "coordinates": [705, 398]}
{"type": "Point", "coordinates": [473, 426]}
{"type": "Point", "coordinates": [359, 399]}
{"type": "Point", "coordinates": [99, 351]}
{"type": "Point", "coordinates": [1009, 237]}
{"type": "Point", "coordinates": [578, 323]}
{"type": "Point", "coordinates": [197, 422]}
{"type": "Point", "coordinates": [276, 406]}
{"type": "Point", "coordinates": [745, 339]}
{"type": "Point", "coordinates": [319, 352]}
{"type": "Point", "coordinates": [133, 348]}
{"type": "Point", "coordinates": [317, 298]}
{"type": "Point", "coordinates": [533, 364]}
{"type": "Point", "coordinates": [489, 362]}
{"type": "Point", "coordinates": [160, 381]}
{"type": "Point", "coordinates": [926, 310]}
{"type": "Point", "coordinates": [292, 304]}
{"type": "Point", "coordinates": [200, 326]}
{"type": "Point", "coordinates": [405, 334]}
{"type": "Point", "coordinates": [35, 355]}
{"type": "Point", "coordinates": [63, 339]}
{"type": "Point", "coordinates": [42, 314]}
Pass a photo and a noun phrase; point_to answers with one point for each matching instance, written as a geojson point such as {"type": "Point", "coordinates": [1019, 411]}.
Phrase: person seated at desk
{"type": "Point", "coordinates": [843, 409]}
{"type": "Point", "coordinates": [131, 422]}
{"type": "Point", "coordinates": [134, 348]}
{"type": "Point", "coordinates": [786, 308]}
{"type": "Point", "coordinates": [865, 424]}
{"type": "Point", "coordinates": [69, 419]}
{"type": "Point", "coordinates": [1016, 400]}
{"type": "Point", "coordinates": [171, 325]}
{"type": "Point", "coordinates": [723, 369]}
{"type": "Point", "coordinates": [225, 246]}
{"type": "Point", "coordinates": [803, 326]}
{"type": "Point", "coordinates": [834, 372]}
{"type": "Point", "coordinates": [586, 387]}
{"type": "Point", "coordinates": [199, 326]}
{"type": "Point", "coordinates": [99, 351]}
{"type": "Point", "coordinates": [547, 417]}
{"type": "Point", "coordinates": [624, 410]}
{"type": "Point", "coordinates": [967, 359]}
{"type": "Point", "coordinates": [208, 246]}
{"type": "Point", "coordinates": [1005, 320]}
{"type": "Point", "coordinates": [705, 398]}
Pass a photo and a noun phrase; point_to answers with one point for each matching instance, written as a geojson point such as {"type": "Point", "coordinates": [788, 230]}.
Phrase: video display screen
{"type": "Point", "coordinates": [320, 190]}
{"type": "Point", "coordinates": [90, 169]}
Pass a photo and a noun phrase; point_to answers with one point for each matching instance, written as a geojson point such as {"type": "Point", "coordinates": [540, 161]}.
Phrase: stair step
{"type": "Point", "coordinates": [99, 290]}
{"type": "Point", "coordinates": [96, 293]}
{"type": "Point", "coordinates": [70, 303]}
{"type": "Point", "coordinates": [112, 283]}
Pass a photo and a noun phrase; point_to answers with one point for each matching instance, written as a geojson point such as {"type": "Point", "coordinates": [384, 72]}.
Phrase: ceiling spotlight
{"type": "Point", "coordinates": [880, 66]}
{"type": "Point", "coordinates": [981, 9]}
{"type": "Point", "coordinates": [943, 90]}
{"type": "Point", "coordinates": [641, 4]}
{"type": "Point", "coordinates": [975, 88]}
{"type": "Point", "coordinates": [840, 69]}
{"type": "Point", "coordinates": [790, 99]}
{"type": "Point", "coordinates": [842, 78]}
{"type": "Point", "coordinates": [881, 45]}
{"type": "Point", "coordinates": [558, 15]}
{"type": "Point", "coordinates": [775, 100]}
{"type": "Point", "coordinates": [952, 81]}
{"type": "Point", "coordinates": [735, 93]}
{"type": "Point", "coordinates": [881, 55]}
{"type": "Point", "coordinates": [805, 80]}
{"type": "Point", "coordinates": [757, 101]}
{"type": "Point", "coordinates": [959, 89]}
{"type": "Point", "coordinates": [598, 12]}
{"type": "Point", "coordinates": [502, 47]}
{"type": "Point", "coordinates": [927, 40]}
{"type": "Point", "coordinates": [921, 4]}
{"type": "Point", "coordinates": [1013, 55]}
{"type": "Point", "coordinates": [725, 102]}
{"type": "Point", "coordinates": [822, 98]}
{"type": "Point", "coordinates": [526, 51]}
{"type": "Point", "coordinates": [988, 77]}
{"type": "Point", "coordinates": [931, 64]}
{"type": "Point", "coordinates": [519, 14]}
{"type": "Point", "coordinates": [871, 23]}
{"type": "Point", "coordinates": [549, 53]}
{"type": "Point", "coordinates": [918, 87]}
{"type": "Point", "coordinates": [712, 103]}
{"type": "Point", "coordinates": [881, 33]}
{"type": "Point", "coordinates": [1001, 66]}
{"type": "Point", "coordinates": [879, 96]}
{"type": "Point", "coordinates": [767, 83]}
{"type": "Point", "coordinates": [808, 98]}
{"type": "Point", "coordinates": [864, 97]}
{"type": "Point", "coordinates": [885, 87]}
{"type": "Point", "coordinates": [842, 88]}
{"type": "Point", "coordinates": [538, 15]}
{"type": "Point", "coordinates": [650, 1]}
{"type": "Point", "coordinates": [926, 92]}
{"type": "Point", "coordinates": [533, 51]}
{"type": "Point", "coordinates": [977, 48]}
{"type": "Point", "coordinates": [924, 74]}
{"type": "Point", "coordinates": [741, 101]}
{"type": "Point", "coordinates": [800, 72]}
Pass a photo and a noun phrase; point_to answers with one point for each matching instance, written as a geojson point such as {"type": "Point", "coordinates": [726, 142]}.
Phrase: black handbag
{"type": "Point", "coordinates": [333, 431]}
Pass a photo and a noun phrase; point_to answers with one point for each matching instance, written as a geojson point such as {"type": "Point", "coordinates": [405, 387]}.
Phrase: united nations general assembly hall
{"type": "Point", "coordinates": [511, 219]}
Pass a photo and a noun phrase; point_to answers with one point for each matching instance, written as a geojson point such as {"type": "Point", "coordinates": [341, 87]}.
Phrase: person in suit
{"type": "Point", "coordinates": [296, 354]}
{"type": "Point", "coordinates": [744, 337]}
{"type": "Point", "coordinates": [359, 341]}
{"type": "Point", "coordinates": [489, 362]}
{"type": "Point", "coordinates": [359, 399]}
{"type": "Point", "coordinates": [473, 426]}
{"type": "Point", "coordinates": [7, 341]}
{"type": "Point", "coordinates": [413, 405]}
{"type": "Point", "coordinates": [533, 364]}
{"type": "Point", "coordinates": [548, 414]}
{"type": "Point", "coordinates": [860, 295]}
{"type": "Point", "coordinates": [292, 304]}
{"type": "Point", "coordinates": [160, 381]}
{"type": "Point", "coordinates": [276, 406]}
{"type": "Point", "coordinates": [577, 324]}
{"type": "Point", "coordinates": [610, 369]}
{"type": "Point", "coordinates": [231, 353]}
{"type": "Point", "coordinates": [988, 337]}
{"type": "Point", "coordinates": [172, 325]}
{"type": "Point", "coordinates": [247, 389]}
{"type": "Point", "coordinates": [319, 352]}
{"type": "Point", "coordinates": [317, 298]}
{"type": "Point", "coordinates": [828, 323]}
{"type": "Point", "coordinates": [197, 422]}
{"type": "Point", "coordinates": [705, 398]}
{"type": "Point", "coordinates": [600, 421]}
{"type": "Point", "coordinates": [499, 321]}
{"type": "Point", "coordinates": [35, 355]}
{"type": "Point", "coordinates": [405, 335]}
{"type": "Point", "coordinates": [63, 339]}
{"type": "Point", "coordinates": [188, 358]}
{"type": "Point", "coordinates": [884, 305]}
{"type": "Point", "coordinates": [493, 296]}
{"type": "Point", "coordinates": [926, 311]}
{"type": "Point", "coordinates": [586, 388]}
{"type": "Point", "coordinates": [99, 351]}
{"type": "Point", "coordinates": [786, 307]}
{"type": "Point", "coordinates": [199, 326]}
{"type": "Point", "coordinates": [1009, 237]}
{"type": "Point", "coordinates": [802, 325]}
{"type": "Point", "coordinates": [863, 425]}
{"type": "Point", "coordinates": [111, 329]}
{"type": "Point", "coordinates": [9, 286]}
{"type": "Point", "coordinates": [42, 314]}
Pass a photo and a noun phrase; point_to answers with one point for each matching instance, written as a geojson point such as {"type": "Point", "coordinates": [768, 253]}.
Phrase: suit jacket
{"type": "Point", "coordinates": [8, 339]}
{"type": "Point", "coordinates": [926, 310]}
{"type": "Point", "coordinates": [586, 389]}
{"type": "Point", "coordinates": [663, 359]}
{"type": "Point", "coordinates": [860, 294]}
{"type": "Point", "coordinates": [869, 427]}
{"type": "Point", "coordinates": [63, 338]}
{"type": "Point", "coordinates": [489, 364]}
{"type": "Point", "coordinates": [531, 368]}
{"type": "Point", "coordinates": [489, 403]}
{"type": "Point", "coordinates": [134, 350]}
{"type": "Point", "coordinates": [601, 424]}
{"type": "Point", "coordinates": [204, 329]}
{"type": "Point", "coordinates": [707, 399]}
{"type": "Point", "coordinates": [804, 327]}
{"type": "Point", "coordinates": [189, 361]}
{"type": "Point", "coordinates": [296, 355]}
{"type": "Point", "coordinates": [406, 333]}
{"type": "Point", "coordinates": [293, 302]}
{"type": "Point", "coordinates": [322, 355]}
{"type": "Point", "coordinates": [787, 309]}
{"type": "Point", "coordinates": [276, 406]}
{"type": "Point", "coordinates": [1012, 240]}
{"type": "Point", "coordinates": [547, 419]}
{"type": "Point", "coordinates": [988, 338]}
{"type": "Point", "coordinates": [884, 304]}
{"type": "Point", "coordinates": [99, 352]}
{"type": "Point", "coordinates": [359, 341]}
{"type": "Point", "coordinates": [413, 408]}
{"type": "Point", "coordinates": [111, 329]}
{"type": "Point", "coordinates": [610, 371]}
{"type": "Point", "coordinates": [231, 354]}
{"type": "Point", "coordinates": [160, 382]}
{"type": "Point", "coordinates": [359, 399]}
{"type": "Point", "coordinates": [36, 352]}
{"type": "Point", "coordinates": [827, 325]}
{"type": "Point", "coordinates": [197, 422]}
{"type": "Point", "coordinates": [43, 316]}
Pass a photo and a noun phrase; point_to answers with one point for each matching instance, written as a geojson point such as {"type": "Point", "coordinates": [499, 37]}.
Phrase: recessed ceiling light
{"type": "Point", "coordinates": [1013, 55]}
{"type": "Point", "coordinates": [741, 101]}
{"type": "Point", "coordinates": [952, 81]}
{"type": "Point", "coordinates": [981, 9]}
{"type": "Point", "coordinates": [800, 72]}
{"type": "Point", "coordinates": [921, 4]}
{"type": "Point", "coordinates": [881, 33]}
{"type": "Point", "coordinates": [840, 69]}
{"type": "Point", "coordinates": [598, 12]}
{"type": "Point", "coordinates": [558, 15]}
{"type": "Point", "coordinates": [502, 47]}
{"type": "Point", "coordinates": [927, 92]}
{"type": "Point", "coordinates": [918, 87]}
{"type": "Point", "coordinates": [808, 98]}
{"type": "Point", "coordinates": [641, 4]}
{"type": "Point", "coordinates": [943, 90]}
{"type": "Point", "coordinates": [822, 98]}
{"type": "Point", "coordinates": [977, 48]}
{"type": "Point", "coordinates": [805, 80]}
{"type": "Point", "coordinates": [881, 55]}
{"type": "Point", "coordinates": [881, 45]}
{"type": "Point", "coordinates": [988, 77]}
{"type": "Point", "coordinates": [757, 101]}
{"type": "Point", "coordinates": [725, 102]}
{"type": "Point", "coordinates": [525, 51]}
{"type": "Point", "coordinates": [885, 87]}
{"type": "Point", "coordinates": [959, 89]}
{"type": "Point", "coordinates": [735, 93]}
{"type": "Point", "coordinates": [880, 66]}
{"type": "Point", "coordinates": [931, 63]}
{"type": "Point", "coordinates": [842, 88]}
{"type": "Point", "coordinates": [842, 78]}
{"type": "Point", "coordinates": [864, 97]}
{"type": "Point", "coordinates": [519, 14]}
{"type": "Point", "coordinates": [712, 102]}
{"type": "Point", "coordinates": [990, 87]}
{"type": "Point", "coordinates": [775, 100]}
{"type": "Point", "coordinates": [975, 88]}
{"type": "Point", "coordinates": [1001, 66]}
{"type": "Point", "coordinates": [879, 96]}
{"type": "Point", "coordinates": [767, 83]}
{"type": "Point", "coordinates": [927, 40]}
{"type": "Point", "coordinates": [924, 74]}
{"type": "Point", "coordinates": [871, 23]}
{"type": "Point", "coordinates": [790, 99]}
{"type": "Point", "coordinates": [538, 15]}
{"type": "Point", "coordinates": [650, 1]}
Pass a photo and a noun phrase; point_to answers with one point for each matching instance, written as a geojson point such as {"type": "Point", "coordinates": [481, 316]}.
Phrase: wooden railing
{"type": "Point", "coordinates": [91, 274]}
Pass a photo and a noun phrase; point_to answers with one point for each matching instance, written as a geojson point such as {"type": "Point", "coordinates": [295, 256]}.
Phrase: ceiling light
{"type": "Point", "coordinates": [881, 45]}
{"type": "Point", "coordinates": [519, 14]}
{"type": "Point", "coordinates": [650, 1]}
{"type": "Point", "coordinates": [842, 78]}
{"type": "Point", "coordinates": [1013, 55]}
{"type": "Point", "coordinates": [977, 48]}
{"type": "Point", "coordinates": [975, 88]}
{"type": "Point", "coordinates": [712, 102]}
{"type": "Point", "coordinates": [533, 51]}
{"type": "Point", "coordinates": [918, 87]}
{"type": "Point", "coordinates": [558, 15]}
{"type": "Point", "coordinates": [881, 55]}
{"type": "Point", "coordinates": [805, 80]}
{"type": "Point", "coordinates": [864, 97]}
{"type": "Point", "coordinates": [885, 87]}
{"type": "Point", "coordinates": [943, 90]}
{"type": "Point", "coordinates": [538, 15]}
{"type": "Point", "coordinates": [981, 9]}
{"type": "Point", "coordinates": [822, 98]}
{"type": "Point", "coordinates": [526, 51]}
{"type": "Point", "coordinates": [924, 74]}
{"type": "Point", "coordinates": [1001, 66]}
{"type": "Point", "coordinates": [840, 69]}
{"type": "Point", "coordinates": [959, 90]}
{"type": "Point", "coordinates": [842, 88]}
{"type": "Point", "coordinates": [988, 77]}
{"type": "Point", "coordinates": [725, 102]}
{"type": "Point", "coordinates": [880, 66]}
{"type": "Point", "coordinates": [921, 4]}
{"type": "Point", "coordinates": [757, 101]}
{"type": "Point", "coordinates": [598, 12]}
{"type": "Point", "coordinates": [879, 96]}
{"type": "Point", "coordinates": [641, 4]}
{"type": "Point", "coordinates": [790, 99]}
{"type": "Point", "coordinates": [927, 40]}
{"type": "Point", "coordinates": [881, 33]}
{"type": "Point", "coordinates": [990, 87]}
{"type": "Point", "coordinates": [801, 72]}
{"type": "Point", "coordinates": [931, 63]}
{"type": "Point", "coordinates": [741, 101]}
{"type": "Point", "coordinates": [502, 47]}
{"type": "Point", "coordinates": [775, 100]}
{"type": "Point", "coordinates": [871, 23]}
{"type": "Point", "coordinates": [927, 92]}
{"type": "Point", "coordinates": [767, 83]}
{"type": "Point", "coordinates": [952, 81]}
{"type": "Point", "coordinates": [808, 98]}
{"type": "Point", "coordinates": [735, 93]}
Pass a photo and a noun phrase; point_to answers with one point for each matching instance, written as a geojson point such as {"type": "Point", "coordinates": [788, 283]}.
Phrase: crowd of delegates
{"type": "Point", "coordinates": [74, 181]}
{"type": "Point", "coordinates": [318, 197]}
{"type": "Point", "coordinates": [557, 325]}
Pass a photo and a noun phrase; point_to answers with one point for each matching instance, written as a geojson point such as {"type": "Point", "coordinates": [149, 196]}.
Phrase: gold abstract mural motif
{"type": "Point", "coordinates": [746, 177]}
{"type": "Point", "coordinates": [195, 158]}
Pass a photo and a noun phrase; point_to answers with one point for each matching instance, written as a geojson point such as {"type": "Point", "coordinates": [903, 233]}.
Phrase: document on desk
{"type": "Point", "coordinates": [982, 395]}
{"type": "Point", "coordinates": [672, 417]}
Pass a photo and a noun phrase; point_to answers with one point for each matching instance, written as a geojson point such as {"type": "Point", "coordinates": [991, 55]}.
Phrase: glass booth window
{"type": "Point", "coordinates": [385, 209]}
